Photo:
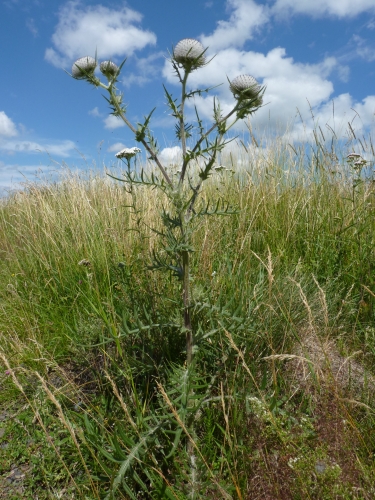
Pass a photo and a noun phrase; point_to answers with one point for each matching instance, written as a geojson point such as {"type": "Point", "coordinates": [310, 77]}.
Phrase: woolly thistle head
{"type": "Point", "coordinates": [109, 69]}
{"type": "Point", "coordinates": [245, 87]}
{"type": "Point", "coordinates": [83, 67]}
{"type": "Point", "coordinates": [189, 53]}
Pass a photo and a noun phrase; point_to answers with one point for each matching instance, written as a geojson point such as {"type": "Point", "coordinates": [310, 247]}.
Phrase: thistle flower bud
{"type": "Point", "coordinates": [127, 153]}
{"type": "Point", "coordinates": [245, 87]}
{"type": "Point", "coordinates": [189, 53]}
{"type": "Point", "coordinates": [109, 69]}
{"type": "Point", "coordinates": [83, 66]}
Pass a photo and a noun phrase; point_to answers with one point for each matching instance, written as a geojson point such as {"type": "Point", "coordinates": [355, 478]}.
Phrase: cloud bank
{"type": "Point", "coordinates": [7, 127]}
{"type": "Point", "coordinates": [59, 148]}
{"type": "Point", "coordinates": [322, 8]}
{"type": "Point", "coordinates": [247, 16]}
{"type": "Point", "coordinates": [83, 29]}
{"type": "Point", "coordinates": [292, 88]}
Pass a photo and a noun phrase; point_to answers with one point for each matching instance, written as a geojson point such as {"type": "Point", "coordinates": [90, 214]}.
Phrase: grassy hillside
{"type": "Point", "coordinates": [92, 348]}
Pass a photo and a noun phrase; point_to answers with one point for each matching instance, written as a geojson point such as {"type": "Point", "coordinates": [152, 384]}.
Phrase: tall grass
{"type": "Point", "coordinates": [284, 291]}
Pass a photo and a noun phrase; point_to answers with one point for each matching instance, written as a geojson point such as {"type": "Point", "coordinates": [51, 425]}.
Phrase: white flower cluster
{"type": "Point", "coordinates": [257, 406]}
{"type": "Point", "coordinates": [292, 461]}
{"type": "Point", "coordinates": [128, 153]}
{"type": "Point", "coordinates": [356, 160]}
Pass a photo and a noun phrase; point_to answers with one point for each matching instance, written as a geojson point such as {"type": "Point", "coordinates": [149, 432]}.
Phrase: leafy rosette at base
{"type": "Point", "coordinates": [84, 67]}
{"type": "Point", "coordinates": [127, 153]}
{"type": "Point", "coordinates": [109, 69]}
{"type": "Point", "coordinates": [189, 53]}
{"type": "Point", "coordinates": [246, 87]}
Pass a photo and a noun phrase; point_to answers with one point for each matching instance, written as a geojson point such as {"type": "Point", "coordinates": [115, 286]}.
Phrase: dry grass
{"type": "Point", "coordinates": [287, 282]}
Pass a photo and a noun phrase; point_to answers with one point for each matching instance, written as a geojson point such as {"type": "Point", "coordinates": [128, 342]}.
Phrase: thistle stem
{"type": "Point", "coordinates": [182, 125]}
{"type": "Point", "coordinates": [186, 301]}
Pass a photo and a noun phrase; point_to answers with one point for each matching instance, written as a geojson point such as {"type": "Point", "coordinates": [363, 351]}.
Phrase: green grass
{"type": "Point", "coordinates": [91, 351]}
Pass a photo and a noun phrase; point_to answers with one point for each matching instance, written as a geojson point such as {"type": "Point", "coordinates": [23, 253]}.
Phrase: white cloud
{"type": "Point", "coordinates": [30, 24]}
{"type": "Point", "coordinates": [61, 148]}
{"type": "Point", "coordinates": [83, 29]}
{"type": "Point", "coordinates": [322, 8]}
{"type": "Point", "coordinates": [14, 177]}
{"type": "Point", "coordinates": [288, 83]}
{"type": "Point", "coordinates": [363, 50]}
{"type": "Point", "coordinates": [246, 18]}
{"type": "Point", "coordinates": [7, 127]}
{"type": "Point", "coordinates": [115, 148]}
{"type": "Point", "coordinates": [148, 67]}
{"type": "Point", "coordinates": [337, 113]}
{"type": "Point", "coordinates": [132, 79]}
{"type": "Point", "coordinates": [170, 155]}
{"type": "Point", "coordinates": [95, 112]}
{"type": "Point", "coordinates": [112, 122]}
{"type": "Point", "coordinates": [290, 86]}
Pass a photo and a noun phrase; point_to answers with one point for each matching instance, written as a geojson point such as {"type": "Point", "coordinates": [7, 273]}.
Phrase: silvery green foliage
{"type": "Point", "coordinates": [189, 53]}
{"type": "Point", "coordinates": [83, 67]}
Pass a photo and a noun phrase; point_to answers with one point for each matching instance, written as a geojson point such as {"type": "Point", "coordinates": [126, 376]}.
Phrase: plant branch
{"type": "Point", "coordinates": [127, 122]}
{"type": "Point", "coordinates": [203, 137]}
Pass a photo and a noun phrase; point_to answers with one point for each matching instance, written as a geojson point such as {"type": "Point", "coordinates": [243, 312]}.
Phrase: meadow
{"type": "Point", "coordinates": [92, 351]}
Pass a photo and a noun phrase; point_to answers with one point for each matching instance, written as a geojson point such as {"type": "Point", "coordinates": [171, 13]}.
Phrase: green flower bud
{"type": "Point", "coordinates": [83, 66]}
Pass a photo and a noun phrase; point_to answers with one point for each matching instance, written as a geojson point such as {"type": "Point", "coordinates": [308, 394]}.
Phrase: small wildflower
{"type": "Point", "coordinates": [351, 156]}
{"type": "Point", "coordinates": [127, 153]}
{"type": "Point", "coordinates": [109, 69]}
{"type": "Point", "coordinates": [84, 262]}
{"type": "Point", "coordinates": [190, 54]}
{"type": "Point", "coordinates": [245, 87]}
{"type": "Point", "coordinates": [292, 461]}
{"type": "Point", "coordinates": [83, 66]}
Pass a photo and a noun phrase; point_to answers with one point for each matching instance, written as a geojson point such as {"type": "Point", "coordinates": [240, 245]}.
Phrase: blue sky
{"type": "Point", "coordinates": [307, 52]}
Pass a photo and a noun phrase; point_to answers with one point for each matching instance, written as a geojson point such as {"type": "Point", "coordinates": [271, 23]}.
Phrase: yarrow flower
{"type": "Point", "coordinates": [353, 156]}
{"type": "Point", "coordinates": [83, 66]}
{"type": "Point", "coordinates": [127, 153]}
{"type": "Point", "coordinates": [190, 54]}
{"type": "Point", "coordinates": [356, 160]}
{"type": "Point", "coordinates": [109, 69]}
{"type": "Point", "coordinates": [245, 87]}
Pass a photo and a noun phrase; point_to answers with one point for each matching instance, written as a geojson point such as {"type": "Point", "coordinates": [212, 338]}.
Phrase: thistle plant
{"type": "Point", "coordinates": [200, 147]}
{"type": "Point", "coordinates": [189, 55]}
